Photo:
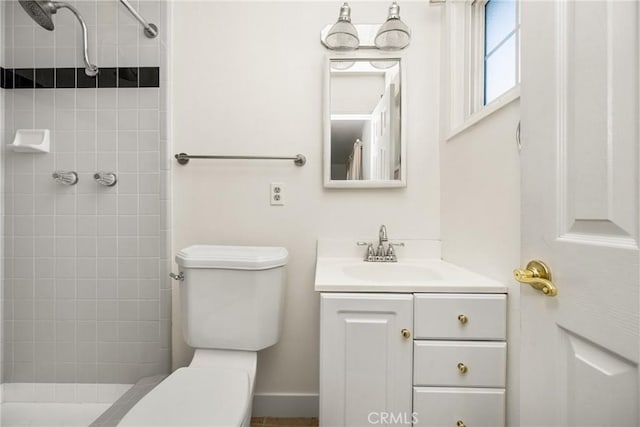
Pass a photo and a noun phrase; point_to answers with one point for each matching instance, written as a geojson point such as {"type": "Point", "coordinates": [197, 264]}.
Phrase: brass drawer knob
{"type": "Point", "coordinates": [462, 368]}
{"type": "Point", "coordinates": [463, 319]}
{"type": "Point", "coordinates": [406, 334]}
{"type": "Point", "coordinates": [460, 423]}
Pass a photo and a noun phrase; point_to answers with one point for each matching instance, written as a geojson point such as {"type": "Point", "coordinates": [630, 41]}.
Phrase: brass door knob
{"type": "Point", "coordinates": [462, 368]}
{"type": "Point", "coordinates": [463, 319]}
{"type": "Point", "coordinates": [406, 334]}
{"type": "Point", "coordinates": [460, 423]}
{"type": "Point", "coordinates": [538, 275]}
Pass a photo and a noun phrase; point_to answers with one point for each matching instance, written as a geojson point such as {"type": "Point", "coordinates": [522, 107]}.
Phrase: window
{"type": "Point", "coordinates": [482, 54]}
{"type": "Point", "coordinates": [501, 48]}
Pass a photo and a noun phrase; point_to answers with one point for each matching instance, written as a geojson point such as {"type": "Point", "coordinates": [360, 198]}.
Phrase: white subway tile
{"type": "Point", "coordinates": [44, 57]}
{"type": "Point", "coordinates": [127, 119]}
{"type": "Point", "coordinates": [107, 98]}
{"type": "Point", "coordinates": [128, 99]}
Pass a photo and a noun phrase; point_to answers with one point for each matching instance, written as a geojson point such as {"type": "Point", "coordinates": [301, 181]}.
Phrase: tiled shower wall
{"type": "Point", "coordinates": [86, 294]}
{"type": "Point", "coordinates": [2, 237]}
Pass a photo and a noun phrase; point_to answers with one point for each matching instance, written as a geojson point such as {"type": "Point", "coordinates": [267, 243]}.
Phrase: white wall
{"type": "Point", "coordinates": [355, 93]}
{"type": "Point", "coordinates": [481, 214]}
{"type": "Point", "coordinates": [248, 80]}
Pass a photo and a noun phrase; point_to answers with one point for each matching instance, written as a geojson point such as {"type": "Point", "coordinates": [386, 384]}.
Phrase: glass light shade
{"type": "Point", "coordinates": [393, 34]}
{"type": "Point", "coordinates": [343, 34]}
{"type": "Point", "coordinates": [382, 65]}
{"type": "Point", "coordinates": [341, 65]}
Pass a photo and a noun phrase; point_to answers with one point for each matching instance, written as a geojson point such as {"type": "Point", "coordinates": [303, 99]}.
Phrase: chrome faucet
{"type": "Point", "coordinates": [382, 234]}
{"type": "Point", "coordinates": [380, 254]}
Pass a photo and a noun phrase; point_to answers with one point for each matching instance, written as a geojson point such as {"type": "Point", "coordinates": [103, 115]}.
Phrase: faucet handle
{"type": "Point", "coordinates": [371, 254]}
{"type": "Point", "coordinates": [391, 252]}
{"type": "Point", "coordinates": [65, 177]}
{"type": "Point", "coordinates": [108, 179]}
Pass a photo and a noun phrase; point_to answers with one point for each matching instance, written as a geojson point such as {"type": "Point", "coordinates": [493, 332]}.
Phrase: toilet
{"type": "Point", "coordinates": [231, 306]}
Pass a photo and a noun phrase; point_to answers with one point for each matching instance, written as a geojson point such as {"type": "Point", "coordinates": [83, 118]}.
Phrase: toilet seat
{"type": "Point", "coordinates": [195, 397]}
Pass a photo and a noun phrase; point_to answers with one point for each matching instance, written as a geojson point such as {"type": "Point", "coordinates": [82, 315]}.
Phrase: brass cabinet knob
{"type": "Point", "coordinates": [460, 423]}
{"type": "Point", "coordinates": [462, 368]}
{"type": "Point", "coordinates": [406, 334]}
{"type": "Point", "coordinates": [463, 319]}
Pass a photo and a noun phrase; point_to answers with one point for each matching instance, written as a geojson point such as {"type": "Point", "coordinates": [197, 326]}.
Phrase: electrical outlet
{"type": "Point", "coordinates": [277, 194]}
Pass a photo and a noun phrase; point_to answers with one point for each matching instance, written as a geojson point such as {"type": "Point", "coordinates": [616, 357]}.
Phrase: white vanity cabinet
{"type": "Point", "coordinates": [427, 359]}
{"type": "Point", "coordinates": [366, 355]}
{"type": "Point", "coordinates": [460, 359]}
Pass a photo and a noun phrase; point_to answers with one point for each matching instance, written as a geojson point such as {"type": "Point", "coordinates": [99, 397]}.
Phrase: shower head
{"type": "Point", "coordinates": [42, 10]}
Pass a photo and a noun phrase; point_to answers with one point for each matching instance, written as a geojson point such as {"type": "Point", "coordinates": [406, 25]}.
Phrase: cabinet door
{"type": "Point", "coordinates": [365, 361]}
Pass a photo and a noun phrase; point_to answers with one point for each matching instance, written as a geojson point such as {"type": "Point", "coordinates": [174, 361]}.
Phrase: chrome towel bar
{"type": "Point", "coordinates": [298, 160]}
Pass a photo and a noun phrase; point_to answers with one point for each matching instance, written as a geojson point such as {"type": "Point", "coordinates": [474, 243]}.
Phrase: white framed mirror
{"type": "Point", "coordinates": [364, 130]}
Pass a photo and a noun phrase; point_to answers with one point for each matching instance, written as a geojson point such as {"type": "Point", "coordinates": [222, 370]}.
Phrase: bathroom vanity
{"type": "Point", "coordinates": [418, 342]}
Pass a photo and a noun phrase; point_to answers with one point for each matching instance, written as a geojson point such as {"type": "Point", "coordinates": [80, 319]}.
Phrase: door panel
{"type": "Point", "coordinates": [580, 212]}
{"type": "Point", "coordinates": [598, 141]}
{"type": "Point", "coordinates": [590, 368]}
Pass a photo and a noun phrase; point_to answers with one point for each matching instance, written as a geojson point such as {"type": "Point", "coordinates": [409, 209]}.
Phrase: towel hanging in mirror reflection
{"type": "Point", "coordinates": [354, 163]}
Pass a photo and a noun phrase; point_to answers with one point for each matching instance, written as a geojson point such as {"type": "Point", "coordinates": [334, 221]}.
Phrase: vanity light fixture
{"type": "Point", "coordinates": [342, 65]}
{"type": "Point", "coordinates": [343, 34]}
{"type": "Point", "coordinates": [393, 34]}
{"type": "Point", "coordinates": [382, 64]}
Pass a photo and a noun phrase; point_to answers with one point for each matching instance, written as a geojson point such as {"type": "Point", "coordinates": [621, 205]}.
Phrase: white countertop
{"type": "Point", "coordinates": [349, 273]}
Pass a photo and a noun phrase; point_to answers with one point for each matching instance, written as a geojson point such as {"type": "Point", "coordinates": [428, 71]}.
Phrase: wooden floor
{"type": "Point", "coordinates": [282, 422]}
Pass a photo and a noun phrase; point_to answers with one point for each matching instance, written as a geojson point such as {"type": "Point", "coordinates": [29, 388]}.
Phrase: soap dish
{"type": "Point", "coordinates": [31, 141]}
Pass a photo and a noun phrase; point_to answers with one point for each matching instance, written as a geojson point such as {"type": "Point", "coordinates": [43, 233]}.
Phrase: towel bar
{"type": "Point", "coordinates": [298, 160]}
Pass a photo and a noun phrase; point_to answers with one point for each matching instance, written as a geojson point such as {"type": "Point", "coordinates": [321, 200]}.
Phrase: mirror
{"type": "Point", "coordinates": [363, 124]}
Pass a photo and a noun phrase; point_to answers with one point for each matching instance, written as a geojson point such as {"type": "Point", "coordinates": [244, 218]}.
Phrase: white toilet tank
{"type": "Point", "coordinates": [232, 297]}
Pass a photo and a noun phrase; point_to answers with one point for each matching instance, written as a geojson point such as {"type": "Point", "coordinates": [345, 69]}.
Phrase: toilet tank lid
{"type": "Point", "coordinates": [232, 257]}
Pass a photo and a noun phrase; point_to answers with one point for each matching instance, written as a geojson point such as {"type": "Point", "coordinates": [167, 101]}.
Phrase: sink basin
{"type": "Point", "coordinates": [340, 268]}
{"type": "Point", "coordinates": [390, 272]}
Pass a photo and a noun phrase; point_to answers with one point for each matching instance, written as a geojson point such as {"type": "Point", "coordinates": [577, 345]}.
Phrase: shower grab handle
{"type": "Point", "coordinates": [150, 30]}
{"type": "Point", "coordinates": [90, 69]}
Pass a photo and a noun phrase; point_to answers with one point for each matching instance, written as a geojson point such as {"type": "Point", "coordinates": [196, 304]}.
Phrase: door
{"type": "Point", "coordinates": [365, 359]}
{"type": "Point", "coordinates": [580, 191]}
{"type": "Point", "coordinates": [381, 136]}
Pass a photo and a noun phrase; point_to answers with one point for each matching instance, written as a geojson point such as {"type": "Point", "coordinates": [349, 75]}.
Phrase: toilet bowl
{"type": "Point", "coordinates": [231, 307]}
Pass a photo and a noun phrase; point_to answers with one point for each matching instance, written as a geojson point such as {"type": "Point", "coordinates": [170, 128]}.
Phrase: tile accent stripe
{"type": "Point", "coordinates": [70, 78]}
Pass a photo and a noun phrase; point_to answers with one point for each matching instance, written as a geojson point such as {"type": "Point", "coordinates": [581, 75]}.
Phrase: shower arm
{"type": "Point", "coordinates": [150, 30]}
{"type": "Point", "coordinates": [89, 68]}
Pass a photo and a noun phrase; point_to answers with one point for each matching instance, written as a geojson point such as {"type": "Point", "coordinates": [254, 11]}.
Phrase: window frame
{"type": "Point", "coordinates": [464, 56]}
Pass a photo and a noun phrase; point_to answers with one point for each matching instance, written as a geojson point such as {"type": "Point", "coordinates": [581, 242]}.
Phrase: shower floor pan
{"type": "Point", "coordinates": [57, 405]}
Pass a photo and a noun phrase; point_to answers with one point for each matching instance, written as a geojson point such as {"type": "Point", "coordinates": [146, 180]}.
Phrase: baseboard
{"type": "Point", "coordinates": [285, 405]}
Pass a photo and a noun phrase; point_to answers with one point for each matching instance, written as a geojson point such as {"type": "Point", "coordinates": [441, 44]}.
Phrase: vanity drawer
{"type": "Point", "coordinates": [474, 407]}
{"type": "Point", "coordinates": [459, 364]}
{"type": "Point", "coordinates": [460, 316]}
